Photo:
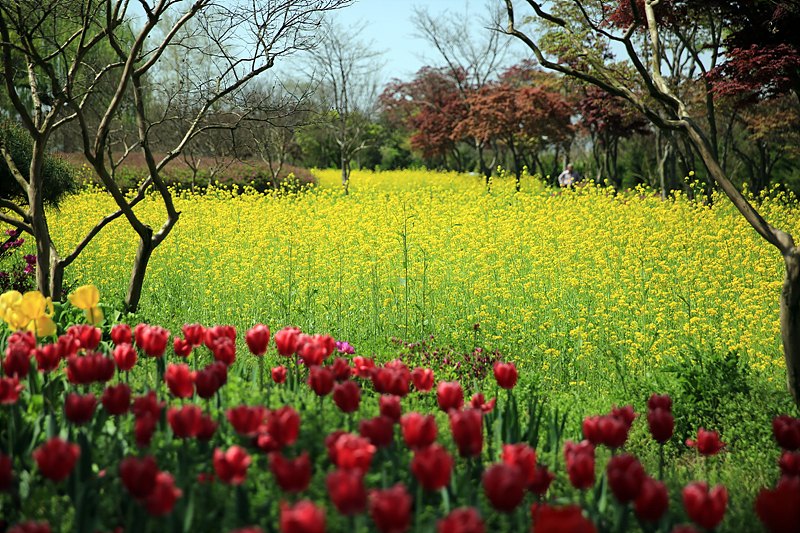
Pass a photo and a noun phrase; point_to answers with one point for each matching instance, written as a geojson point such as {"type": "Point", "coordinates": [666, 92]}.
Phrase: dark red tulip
{"type": "Point", "coordinates": [341, 369]}
{"type": "Point", "coordinates": [320, 379]}
{"type": "Point", "coordinates": [505, 374]}
{"type": "Point", "coordinates": [286, 340]}
{"type": "Point", "coordinates": [450, 395]}
{"type": "Point", "coordinates": [279, 374]}
{"type": "Point", "coordinates": [18, 360]}
{"type": "Point", "coordinates": [179, 380]}
{"type": "Point", "coordinates": [88, 335]}
{"type": "Point", "coordinates": [223, 349]}
{"type": "Point", "coordinates": [422, 379]}
{"type": "Point", "coordinates": [207, 428]}
{"type": "Point", "coordinates": [504, 486]}
{"type": "Point", "coordinates": [9, 390]}
{"type": "Point", "coordinates": [625, 477]}
{"type": "Point", "coordinates": [580, 463]}
{"type": "Point", "coordinates": [246, 419]}
{"type": "Point", "coordinates": [390, 407]}
{"type": "Point", "coordinates": [147, 404]}
{"type": "Point", "coordinates": [284, 425]}
{"type": "Point", "coordinates": [419, 430]}
{"type": "Point", "coordinates": [591, 430]}
{"type": "Point", "coordinates": [6, 473]}
{"type": "Point", "coordinates": [29, 526]}
{"type": "Point", "coordinates": [542, 478]}
{"type": "Point", "coordinates": [292, 475]}
{"type": "Point", "coordinates": [708, 442]}
{"type": "Point", "coordinates": [432, 467]}
{"type": "Point", "coordinates": [26, 338]}
{"type": "Point", "coordinates": [613, 431]}
{"type": "Point", "coordinates": [653, 500]}
{"type": "Point", "coordinates": [185, 422]}
{"type": "Point", "coordinates": [346, 490]}
{"type": "Point", "coordinates": [302, 517]}
{"type": "Point", "coordinates": [181, 347]}
{"type": "Point", "coordinates": [787, 432]}
{"type": "Point", "coordinates": [684, 528]}
{"type": "Point", "coordinates": [231, 465]}
{"type": "Point", "coordinates": [388, 380]}
{"type": "Point", "coordinates": [125, 356]}
{"type": "Point", "coordinates": [626, 414]}
{"type": "Point", "coordinates": [48, 357]}
{"type": "Point", "coordinates": [151, 339]}
{"type": "Point", "coordinates": [390, 509]}
{"type": "Point", "coordinates": [661, 423]}
{"type": "Point", "coordinates": [706, 509]}
{"type": "Point", "coordinates": [143, 429]}
{"type": "Point", "coordinates": [194, 334]}
{"type": "Point", "coordinates": [467, 428]}
{"type": "Point", "coordinates": [56, 458]}
{"type": "Point", "coordinates": [569, 518]}
{"type": "Point", "coordinates": [479, 402]}
{"type": "Point", "coordinates": [779, 509]}
{"type": "Point", "coordinates": [347, 396]}
{"type": "Point", "coordinates": [789, 463]}
{"type": "Point", "coordinates": [121, 334]}
{"type": "Point", "coordinates": [379, 430]}
{"type": "Point", "coordinates": [69, 346]}
{"type": "Point", "coordinates": [162, 500]}
{"type": "Point", "coordinates": [462, 520]}
{"type": "Point", "coordinates": [79, 409]}
{"type": "Point", "coordinates": [364, 367]}
{"type": "Point", "coordinates": [221, 370]}
{"type": "Point", "coordinates": [351, 452]}
{"type": "Point", "coordinates": [139, 475]}
{"type": "Point", "coordinates": [116, 399]}
{"type": "Point", "coordinates": [257, 339]}
{"type": "Point", "coordinates": [660, 402]}
{"type": "Point", "coordinates": [206, 382]}
{"type": "Point", "coordinates": [89, 368]}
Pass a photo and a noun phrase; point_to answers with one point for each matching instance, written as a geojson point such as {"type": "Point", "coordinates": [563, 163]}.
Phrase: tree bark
{"type": "Point", "coordinates": [143, 253]}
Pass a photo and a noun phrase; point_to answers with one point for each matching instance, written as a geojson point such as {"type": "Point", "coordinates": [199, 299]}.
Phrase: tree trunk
{"type": "Point", "coordinates": [790, 322]}
{"type": "Point", "coordinates": [143, 254]}
{"type": "Point", "coordinates": [41, 232]}
{"type": "Point", "coordinates": [345, 174]}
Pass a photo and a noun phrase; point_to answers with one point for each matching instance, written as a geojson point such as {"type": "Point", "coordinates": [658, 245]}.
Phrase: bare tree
{"type": "Point", "coordinates": [347, 69]}
{"type": "Point", "coordinates": [643, 83]}
{"type": "Point", "coordinates": [53, 38]}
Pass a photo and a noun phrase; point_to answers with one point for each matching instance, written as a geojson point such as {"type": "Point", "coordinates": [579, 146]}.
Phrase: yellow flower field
{"type": "Point", "coordinates": [579, 286]}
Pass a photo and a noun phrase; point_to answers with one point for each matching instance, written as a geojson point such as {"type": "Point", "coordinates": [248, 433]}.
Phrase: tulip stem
{"type": "Point", "coordinates": [446, 500]}
{"type": "Point", "coordinates": [661, 462]}
{"type": "Point", "coordinates": [418, 507]}
{"type": "Point", "coordinates": [261, 372]}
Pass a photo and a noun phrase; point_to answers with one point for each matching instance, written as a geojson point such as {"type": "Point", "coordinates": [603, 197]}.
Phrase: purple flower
{"type": "Point", "coordinates": [344, 347]}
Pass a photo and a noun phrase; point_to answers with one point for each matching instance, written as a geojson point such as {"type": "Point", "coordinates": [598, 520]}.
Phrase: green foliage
{"type": "Point", "coordinates": [58, 177]}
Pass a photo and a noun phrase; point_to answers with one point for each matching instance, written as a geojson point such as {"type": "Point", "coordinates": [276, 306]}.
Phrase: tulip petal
{"type": "Point", "coordinates": [85, 297]}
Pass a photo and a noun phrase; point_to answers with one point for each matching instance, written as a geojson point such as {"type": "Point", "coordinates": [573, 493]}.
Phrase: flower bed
{"type": "Point", "coordinates": [117, 428]}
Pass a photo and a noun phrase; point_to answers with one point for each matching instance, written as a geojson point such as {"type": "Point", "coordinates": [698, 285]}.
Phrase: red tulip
{"type": "Point", "coordinates": [684, 529]}
{"type": "Point", "coordinates": [364, 367]}
{"type": "Point", "coordinates": [350, 452]}
{"type": "Point", "coordinates": [549, 519]}
{"type": "Point", "coordinates": [292, 475]}
{"type": "Point", "coordinates": [125, 356]}
{"type": "Point", "coordinates": [787, 432]}
{"type": "Point", "coordinates": [48, 357]}
{"type": "Point", "coordinates": [90, 368]}
{"type": "Point", "coordinates": [284, 425]}
{"type": "Point", "coordinates": [389, 380]}
{"type": "Point", "coordinates": [379, 430]}
{"type": "Point", "coordinates": [9, 390]}
{"type": "Point", "coordinates": [302, 517]}
{"type": "Point", "coordinates": [580, 463]}
{"type": "Point", "coordinates": [56, 458]}
{"type": "Point", "coordinates": [523, 457]}
{"type": "Point", "coordinates": [116, 399]}
{"type": "Point", "coordinates": [6, 473]}
{"type": "Point", "coordinates": [257, 339]}
{"type": "Point", "coordinates": [432, 467]}
{"type": "Point", "coordinates": [450, 395]}
{"type": "Point", "coordinates": [162, 500]}
{"type": "Point", "coordinates": [246, 419]}
{"type": "Point", "coordinates": [390, 509]}
{"type": "Point", "coordinates": [707, 442]}
{"type": "Point", "coordinates": [88, 335]}
{"type": "Point", "coordinates": [215, 333]}
{"type": "Point", "coordinates": [314, 350]}
{"type": "Point", "coordinates": [479, 402]}
{"type": "Point", "coordinates": [653, 500]}
{"type": "Point", "coordinates": [505, 374]}
{"type": "Point", "coordinates": [121, 334]}
{"type": "Point", "coordinates": [613, 431]}
{"type": "Point", "coordinates": [346, 490]}
{"type": "Point", "coordinates": [341, 369]}
{"type": "Point", "coordinates": [18, 360]}
{"type": "Point", "coordinates": [151, 339]}
{"type": "Point", "coordinates": [467, 428]}
{"type": "Point", "coordinates": [419, 430]}
{"type": "Point", "coordinates": [422, 379]}
{"type": "Point", "coordinates": [626, 414]}
{"type": "Point", "coordinates": [223, 349]}
{"type": "Point", "coordinates": [206, 382]}
{"type": "Point", "coordinates": [542, 478]}
{"type": "Point", "coordinates": [661, 423]}
{"type": "Point", "coordinates": [79, 409]}
{"type": "Point", "coordinates": [29, 526]}
{"type": "Point", "coordinates": [504, 486]}
{"type": "Point", "coordinates": [194, 334]}
{"type": "Point", "coordinates": [221, 370]}
{"type": "Point", "coordinates": [286, 340]}
{"type": "Point", "coordinates": [26, 338]}
{"type": "Point", "coordinates": [347, 396]}
{"type": "Point", "coordinates": [185, 422]}
{"type": "Point", "coordinates": [179, 380]}
{"type": "Point", "coordinates": [706, 509]}
{"type": "Point", "coordinates": [181, 347]}
{"type": "Point", "coordinates": [231, 465]}
{"type": "Point", "coordinates": [143, 429]}
{"type": "Point", "coordinates": [390, 407]}
{"type": "Point", "coordinates": [279, 374]}
{"type": "Point", "coordinates": [462, 520]}
{"type": "Point", "coordinates": [789, 463]}
{"type": "Point", "coordinates": [625, 477]}
{"type": "Point", "coordinates": [779, 509]}
{"type": "Point", "coordinates": [139, 475]}
{"type": "Point", "coordinates": [147, 404]}
{"type": "Point", "coordinates": [659, 402]}
{"type": "Point", "coordinates": [320, 379]}
{"type": "Point", "coordinates": [69, 346]}
{"type": "Point", "coordinates": [207, 428]}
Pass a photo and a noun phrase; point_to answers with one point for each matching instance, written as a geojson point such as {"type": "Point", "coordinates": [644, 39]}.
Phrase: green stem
{"type": "Point", "coordinates": [661, 462]}
{"type": "Point", "coordinates": [418, 508]}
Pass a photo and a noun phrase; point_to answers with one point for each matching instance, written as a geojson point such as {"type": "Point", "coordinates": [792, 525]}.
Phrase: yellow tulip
{"type": "Point", "coordinates": [12, 311]}
{"type": "Point", "coordinates": [36, 307]}
{"type": "Point", "coordinates": [87, 297]}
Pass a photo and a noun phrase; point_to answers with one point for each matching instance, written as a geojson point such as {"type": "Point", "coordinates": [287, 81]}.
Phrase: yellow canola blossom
{"type": "Point", "coordinates": [583, 286]}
